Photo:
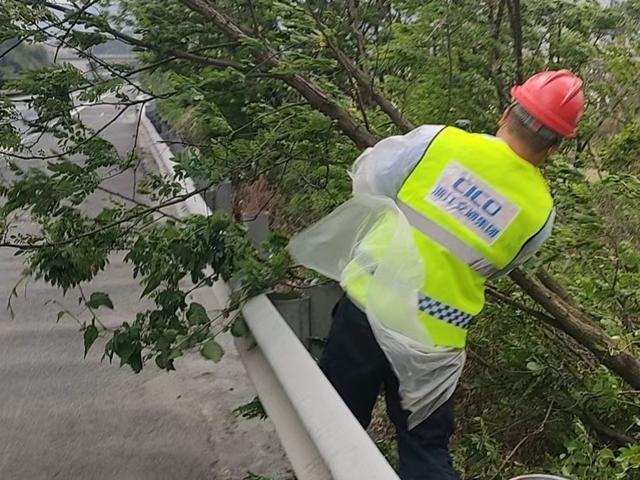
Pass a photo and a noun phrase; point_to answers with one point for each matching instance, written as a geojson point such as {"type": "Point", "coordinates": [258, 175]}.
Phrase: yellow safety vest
{"type": "Point", "coordinates": [472, 204]}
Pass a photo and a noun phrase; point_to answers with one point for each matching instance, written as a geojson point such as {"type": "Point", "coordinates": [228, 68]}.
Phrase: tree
{"type": "Point", "coordinates": [289, 92]}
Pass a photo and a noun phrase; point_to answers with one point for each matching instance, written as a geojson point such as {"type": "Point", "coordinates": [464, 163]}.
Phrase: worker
{"type": "Point", "coordinates": [476, 206]}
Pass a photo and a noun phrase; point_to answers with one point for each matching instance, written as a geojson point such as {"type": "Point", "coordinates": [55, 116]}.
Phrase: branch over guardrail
{"type": "Point", "coordinates": [323, 440]}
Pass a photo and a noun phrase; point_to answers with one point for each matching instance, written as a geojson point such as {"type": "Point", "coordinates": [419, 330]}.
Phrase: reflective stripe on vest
{"type": "Point", "coordinates": [426, 304]}
{"type": "Point", "coordinates": [443, 325]}
{"type": "Point", "coordinates": [460, 249]}
{"type": "Point", "coordinates": [444, 312]}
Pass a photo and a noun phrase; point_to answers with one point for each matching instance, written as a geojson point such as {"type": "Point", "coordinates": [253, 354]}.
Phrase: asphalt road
{"type": "Point", "coordinates": [65, 417]}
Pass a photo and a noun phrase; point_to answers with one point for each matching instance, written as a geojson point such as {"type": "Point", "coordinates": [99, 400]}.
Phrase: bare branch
{"type": "Point", "coordinates": [354, 20]}
{"type": "Point", "coordinates": [74, 22]}
{"type": "Point", "coordinates": [606, 432]}
{"type": "Point", "coordinates": [494, 67]}
{"type": "Point", "coordinates": [12, 47]}
{"type": "Point", "coordinates": [137, 202]}
{"type": "Point", "coordinates": [515, 16]}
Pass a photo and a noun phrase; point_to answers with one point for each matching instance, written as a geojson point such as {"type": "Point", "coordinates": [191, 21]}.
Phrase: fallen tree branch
{"type": "Point", "coordinates": [580, 327]}
{"type": "Point", "coordinates": [552, 284]}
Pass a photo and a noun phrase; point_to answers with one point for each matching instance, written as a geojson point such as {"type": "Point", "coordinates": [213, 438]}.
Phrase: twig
{"type": "Point", "coordinates": [254, 18]}
{"type": "Point", "coordinates": [24, 277]}
{"type": "Point", "coordinates": [66, 311]}
{"type": "Point", "coordinates": [75, 147]}
{"type": "Point", "coordinates": [520, 306]}
{"type": "Point", "coordinates": [92, 21]}
{"type": "Point", "coordinates": [86, 303]}
{"type": "Point", "coordinates": [74, 22]}
{"type": "Point", "coordinates": [450, 64]}
{"type": "Point", "coordinates": [12, 47]}
{"type": "Point", "coordinates": [266, 114]}
{"type": "Point", "coordinates": [108, 226]}
{"type": "Point", "coordinates": [133, 150]}
{"type": "Point", "coordinates": [137, 202]}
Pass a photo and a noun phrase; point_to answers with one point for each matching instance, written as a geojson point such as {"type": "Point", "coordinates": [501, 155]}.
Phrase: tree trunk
{"type": "Point", "coordinates": [515, 15]}
{"type": "Point", "coordinates": [494, 66]}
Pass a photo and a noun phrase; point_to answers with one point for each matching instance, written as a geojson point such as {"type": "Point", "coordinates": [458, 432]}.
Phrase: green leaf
{"type": "Point", "coordinates": [61, 314]}
{"type": "Point", "coordinates": [605, 455]}
{"type": "Point", "coordinates": [123, 347]}
{"type": "Point", "coordinates": [197, 315]}
{"type": "Point", "coordinates": [84, 40]}
{"type": "Point", "coordinates": [90, 336]}
{"type": "Point", "coordinates": [212, 350]}
{"type": "Point", "coordinates": [239, 328]}
{"type": "Point", "coordinates": [135, 361]}
{"type": "Point", "coordinates": [164, 362]}
{"type": "Point", "coordinates": [152, 284]}
{"type": "Point", "coordinates": [99, 299]}
{"type": "Point", "coordinates": [253, 409]}
{"type": "Point", "coordinates": [534, 366]}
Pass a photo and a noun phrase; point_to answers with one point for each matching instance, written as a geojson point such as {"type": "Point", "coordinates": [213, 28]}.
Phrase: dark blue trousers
{"type": "Point", "coordinates": [358, 369]}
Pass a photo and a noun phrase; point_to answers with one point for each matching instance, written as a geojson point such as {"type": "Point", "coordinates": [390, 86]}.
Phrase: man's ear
{"type": "Point", "coordinates": [503, 119]}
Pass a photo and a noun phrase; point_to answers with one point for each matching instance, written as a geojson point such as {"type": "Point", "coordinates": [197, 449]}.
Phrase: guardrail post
{"type": "Point", "coordinates": [224, 197]}
{"type": "Point", "coordinates": [257, 224]}
{"type": "Point", "coordinates": [322, 299]}
{"type": "Point", "coordinates": [296, 311]}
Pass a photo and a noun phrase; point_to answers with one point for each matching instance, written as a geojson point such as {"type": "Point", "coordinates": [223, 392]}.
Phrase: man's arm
{"type": "Point", "coordinates": [383, 168]}
{"type": "Point", "coordinates": [531, 247]}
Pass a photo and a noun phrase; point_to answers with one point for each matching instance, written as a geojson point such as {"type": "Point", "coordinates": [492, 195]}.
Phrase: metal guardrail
{"type": "Point", "coordinates": [320, 435]}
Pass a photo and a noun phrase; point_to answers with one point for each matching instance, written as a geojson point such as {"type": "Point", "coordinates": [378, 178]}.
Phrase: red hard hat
{"type": "Point", "coordinates": [553, 98]}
